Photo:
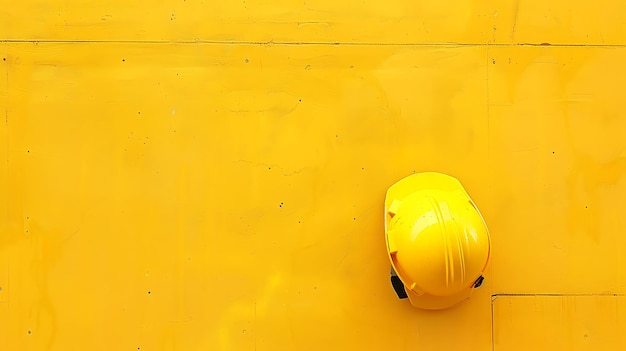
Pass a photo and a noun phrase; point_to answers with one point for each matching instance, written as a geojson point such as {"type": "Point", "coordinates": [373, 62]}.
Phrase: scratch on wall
{"type": "Point", "coordinates": [515, 16]}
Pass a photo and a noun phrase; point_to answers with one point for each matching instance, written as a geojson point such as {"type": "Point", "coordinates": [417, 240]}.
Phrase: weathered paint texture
{"type": "Point", "coordinates": [204, 175]}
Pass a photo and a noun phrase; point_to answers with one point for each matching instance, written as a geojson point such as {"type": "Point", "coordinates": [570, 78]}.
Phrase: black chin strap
{"type": "Point", "coordinates": [478, 282]}
{"type": "Point", "coordinates": [398, 286]}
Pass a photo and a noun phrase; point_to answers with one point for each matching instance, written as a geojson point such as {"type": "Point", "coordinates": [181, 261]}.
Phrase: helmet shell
{"type": "Point", "coordinates": [437, 240]}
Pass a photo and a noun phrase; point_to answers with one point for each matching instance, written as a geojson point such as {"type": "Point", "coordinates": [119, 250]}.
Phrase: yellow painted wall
{"type": "Point", "coordinates": [203, 175]}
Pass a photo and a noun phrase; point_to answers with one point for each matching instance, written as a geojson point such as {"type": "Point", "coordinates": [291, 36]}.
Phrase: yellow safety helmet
{"type": "Point", "coordinates": [437, 240]}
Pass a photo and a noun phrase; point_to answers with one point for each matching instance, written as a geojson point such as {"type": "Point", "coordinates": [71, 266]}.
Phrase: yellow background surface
{"type": "Point", "coordinates": [201, 175]}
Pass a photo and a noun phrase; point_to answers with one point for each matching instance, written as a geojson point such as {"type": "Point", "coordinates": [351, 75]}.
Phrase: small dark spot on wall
{"type": "Point", "coordinates": [138, 112]}
{"type": "Point", "coordinates": [281, 204]}
{"type": "Point", "coordinates": [27, 231]}
{"type": "Point", "coordinates": [299, 100]}
{"type": "Point", "coordinates": [243, 331]}
{"type": "Point", "coordinates": [27, 217]}
{"type": "Point", "coordinates": [315, 288]}
{"type": "Point", "coordinates": [29, 332]}
{"type": "Point", "coordinates": [149, 292]}
{"type": "Point", "coordinates": [307, 67]}
{"type": "Point", "coordinates": [354, 218]}
{"type": "Point", "coordinates": [362, 168]}
{"type": "Point", "coordinates": [28, 151]}
{"type": "Point", "coordinates": [246, 61]}
{"type": "Point", "coordinates": [585, 206]}
{"type": "Point", "coordinates": [4, 59]}
{"type": "Point", "coordinates": [299, 222]}
{"type": "Point", "coordinates": [123, 60]}
{"type": "Point", "coordinates": [509, 60]}
{"type": "Point", "coordinates": [552, 152]}
{"type": "Point", "coordinates": [493, 61]}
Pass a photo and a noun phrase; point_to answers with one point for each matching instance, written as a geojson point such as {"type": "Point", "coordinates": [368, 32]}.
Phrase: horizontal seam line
{"type": "Point", "coordinates": [556, 294]}
{"type": "Point", "coordinates": [303, 43]}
